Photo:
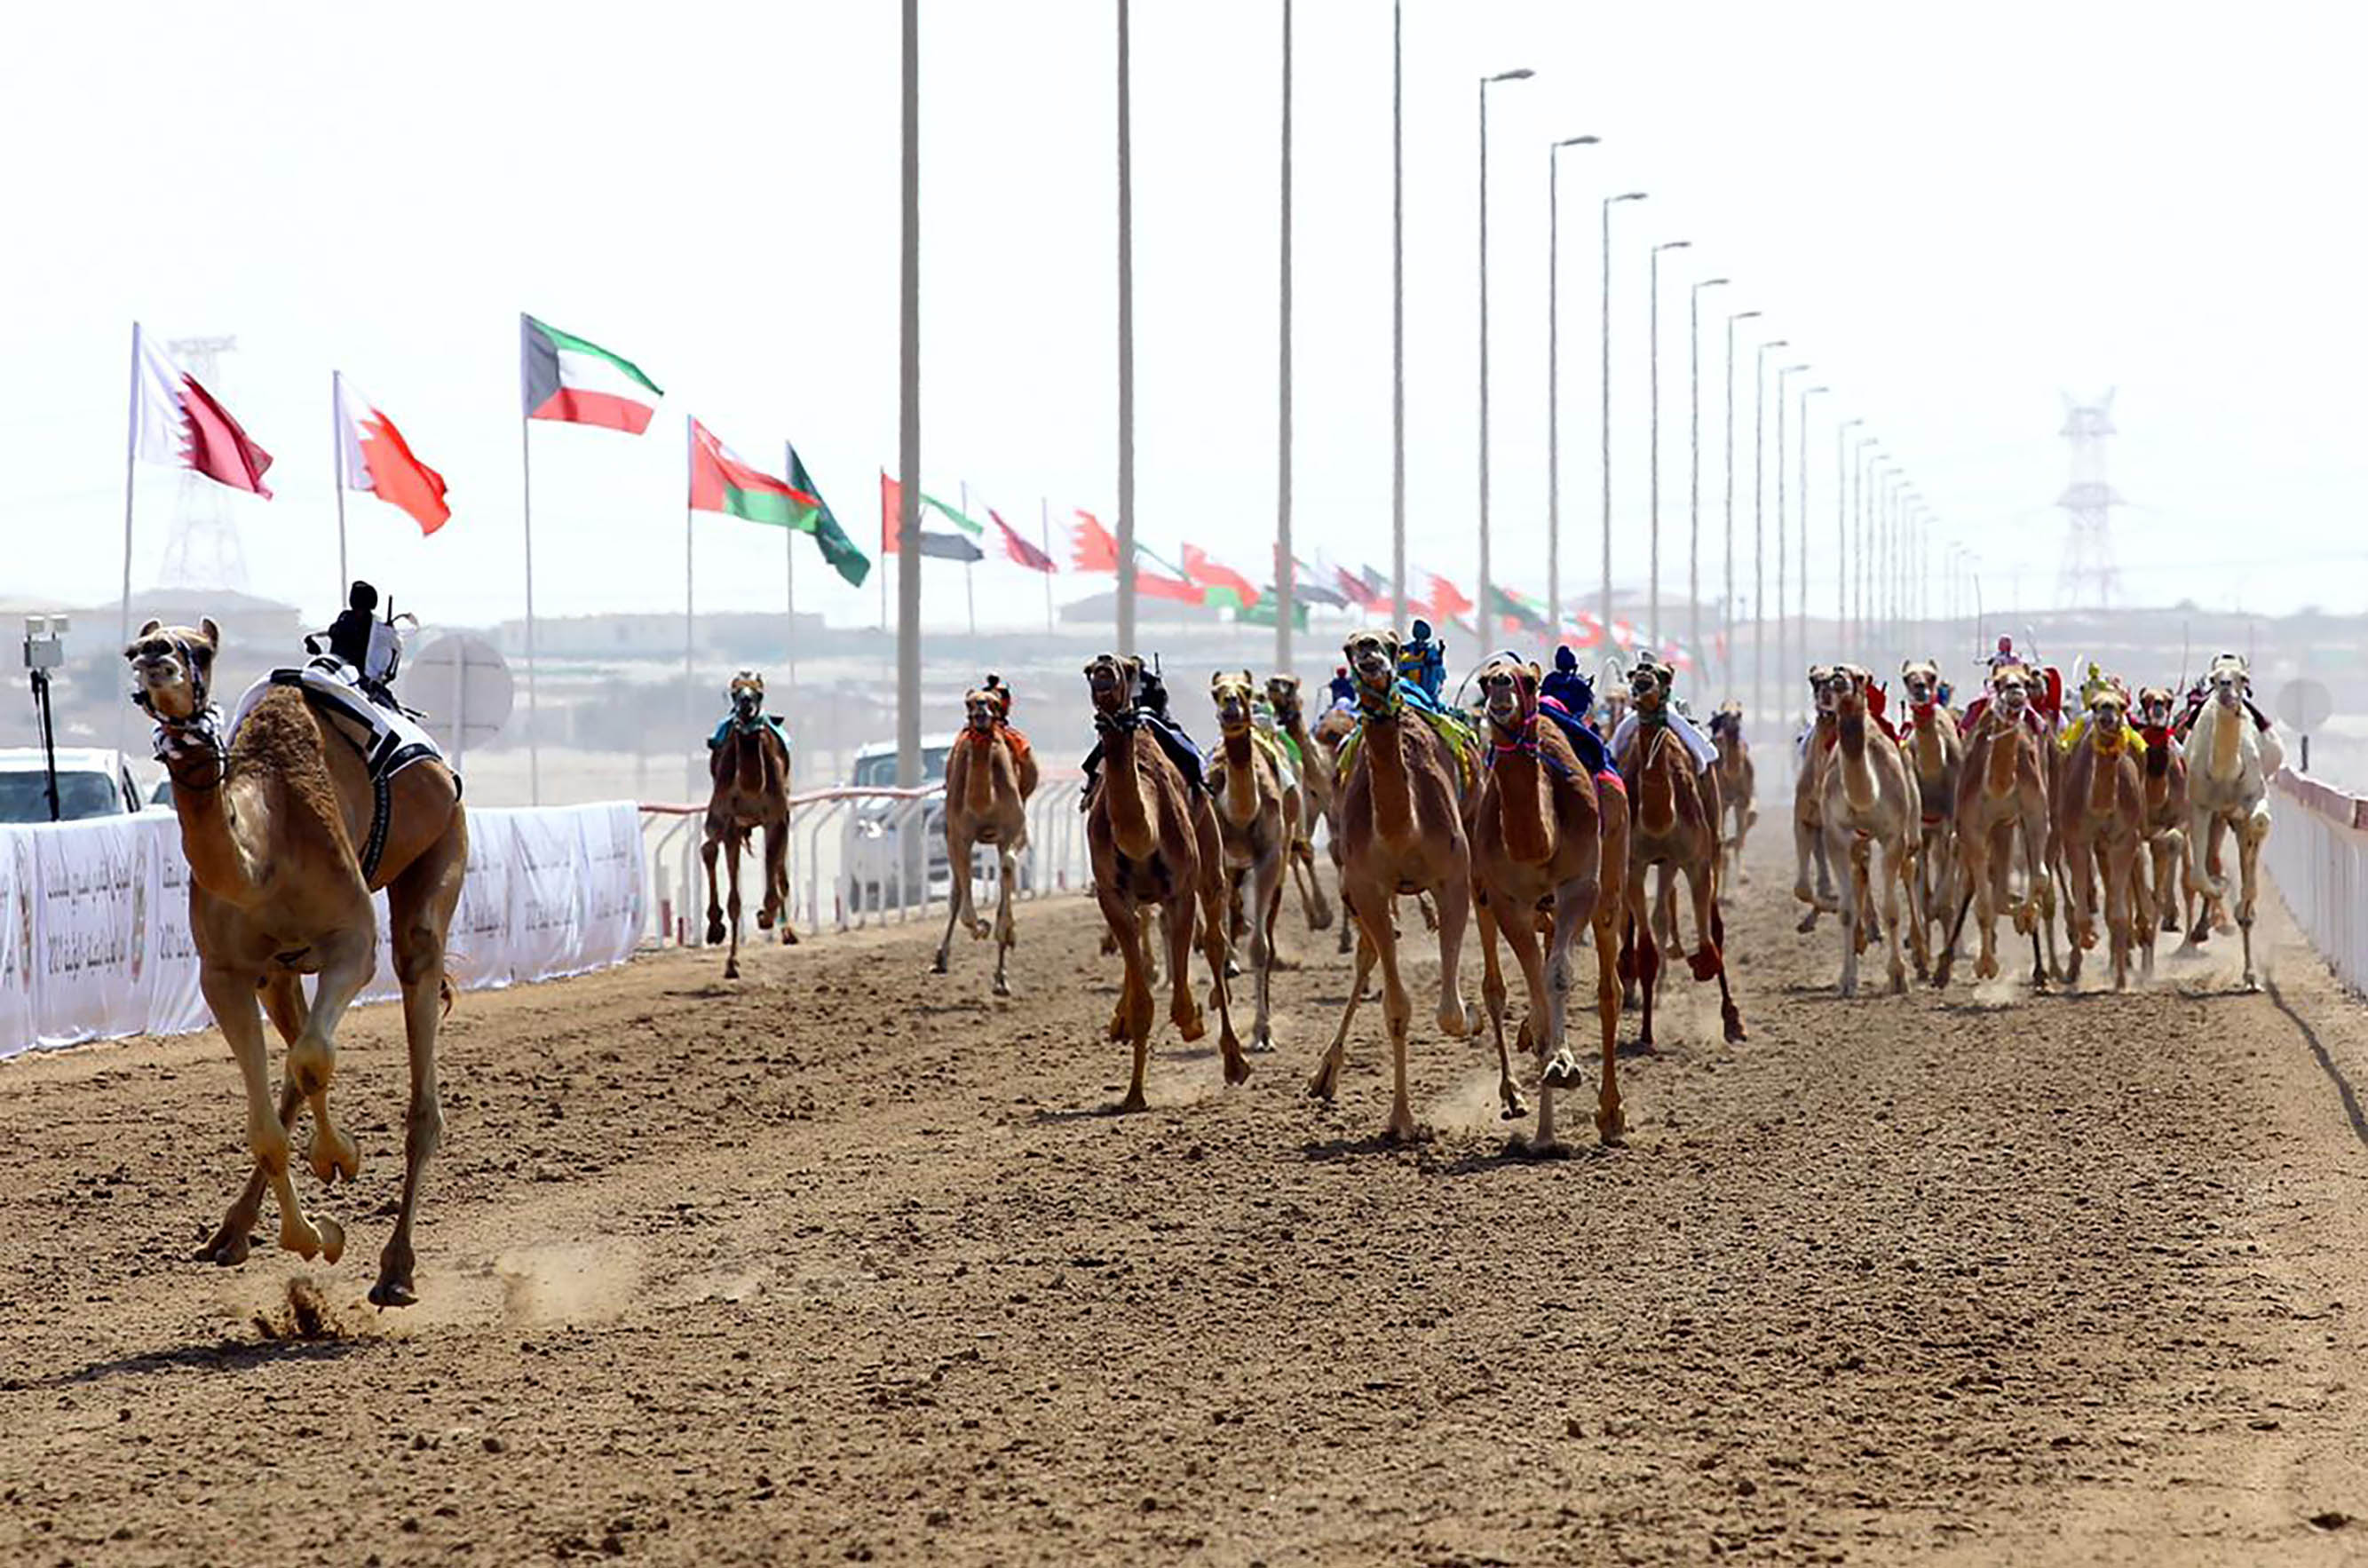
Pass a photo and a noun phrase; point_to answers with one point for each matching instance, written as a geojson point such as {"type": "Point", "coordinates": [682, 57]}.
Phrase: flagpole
{"type": "Point", "coordinates": [337, 473]}
{"type": "Point", "coordinates": [1126, 570]}
{"type": "Point", "coordinates": [790, 566]}
{"type": "Point", "coordinates": [1282, 561]}
{"type": "Point", "coordinates": [1044, 532]}
{"type": "Point", "coordinates": [908, 433]}
{"type": "Point", "coordinates": [689, 698]}
{"type": "Point", "coordinates": [969, 569]}
{"type": "Point", "coordinates": [526, 514]}
{"type": "Point", "coordinates": [131, 452]}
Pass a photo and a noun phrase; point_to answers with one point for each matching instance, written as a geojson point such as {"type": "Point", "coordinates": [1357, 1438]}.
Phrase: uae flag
{"type": "Point", "coordinates": [576, 383]}
{"type": "Point", "coordinates": [945, 547]}
{"type": "Point", "coordinates": [372, 456]}
{"type": "Point", "coordinates": [1023, 553]}
{"type": "Point", "coordinates": [176, 422]}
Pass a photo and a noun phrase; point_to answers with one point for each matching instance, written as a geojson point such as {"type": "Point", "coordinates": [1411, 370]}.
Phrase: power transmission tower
{"type": "Point", "coordinates": [204, 550]}
{"type": "Point", "coordinates": [2090, 578]}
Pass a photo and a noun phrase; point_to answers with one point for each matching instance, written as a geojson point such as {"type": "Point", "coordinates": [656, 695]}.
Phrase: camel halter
{"type": "Point", "coordinates": [1383, 703]}
{"type": "Point", "coordinates": [197, 735]}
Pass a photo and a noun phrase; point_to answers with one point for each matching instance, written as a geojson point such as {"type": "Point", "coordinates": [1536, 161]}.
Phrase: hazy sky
{"type": "Point", "coordinates": [1954, 213]}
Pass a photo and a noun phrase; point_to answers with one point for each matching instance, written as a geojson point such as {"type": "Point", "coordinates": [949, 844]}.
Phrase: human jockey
{"type": "Point", "coordinates": [1567, 697]}
{"type": "Point", "coordinates": [1422, 664]}
{"type": "Point", "coordinates": [1343, 687]}
{"type": "Point", "coordinates": [2201, 693]}
{"type": "Point", "coordinates": [2094, 685]}
{"type": "Point", "coordinates": [1653, 686]}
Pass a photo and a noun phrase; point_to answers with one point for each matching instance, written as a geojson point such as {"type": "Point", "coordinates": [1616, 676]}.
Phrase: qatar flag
{"type": "Point", "coordinates": [176, 422]}
{"type": "Point", "coordinates": [373, 456]}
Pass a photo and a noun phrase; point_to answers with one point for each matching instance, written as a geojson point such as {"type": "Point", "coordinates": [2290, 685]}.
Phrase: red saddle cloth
{"type": "Point", "coordinates": [1021, 750]}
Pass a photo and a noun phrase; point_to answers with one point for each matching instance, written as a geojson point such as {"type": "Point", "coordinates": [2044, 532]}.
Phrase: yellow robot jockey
{"type": "Point", "coordinates": [2097, 683]}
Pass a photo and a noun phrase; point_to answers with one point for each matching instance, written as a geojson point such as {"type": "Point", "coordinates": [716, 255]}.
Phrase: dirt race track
{"type": "Point", "coordinates": [844, 1264]}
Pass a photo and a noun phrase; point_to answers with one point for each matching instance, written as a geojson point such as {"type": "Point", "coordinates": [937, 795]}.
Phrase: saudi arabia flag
{"type": "Point", "coordinates": [576, 383]}
{"type": "Point", "coordinates": [721, 481]}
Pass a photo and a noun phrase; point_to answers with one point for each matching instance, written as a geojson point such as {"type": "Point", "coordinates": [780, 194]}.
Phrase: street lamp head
{"type": "Point", "coordinates": [1625, 196]}
{"type": "Point", "coordinates": [1743, 315]}
{"type": "Point", "coordinates": [1711, 283]}
{"type": "Point", "coordinates": [1523, 74]}
{"type": "Point", "coordinates": [1578, 142]}
{"type": "Point", "coordinates": [1791, 369]}
{"type": "Point", "coordinates": [1674, 245]}
{"type": "Point", "coordinates": [1847, 422]}
{"type": "Point", "coordinates": [1813, 391]}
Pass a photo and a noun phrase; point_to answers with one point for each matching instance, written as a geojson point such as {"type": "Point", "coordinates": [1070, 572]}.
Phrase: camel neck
{"type": "Point", "coordinates": [2228, 748]}
{"type": "Point", "coordinates": [1130, 813]}
{"type": "Point", "coordinates": [1385, 762]}
{"type": "Point", "coordinates": [1241, 777]}
{"type": "Point", "coordinates": [1657, 784]}
{"type": "Point", "coordinates": [978, 773]}
{"type": "Point", "coordinates": [1858, 774]}
{"type": "Point", "coordinates": [1522, 786]}
{"type": "Point", "coordinates": [216, 827]}
{"type": "Point", "coordinates": [2104, 772]}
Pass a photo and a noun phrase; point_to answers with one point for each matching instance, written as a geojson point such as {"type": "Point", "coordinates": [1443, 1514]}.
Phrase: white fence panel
{"type": "Point", "coordinates": [2318, 856]}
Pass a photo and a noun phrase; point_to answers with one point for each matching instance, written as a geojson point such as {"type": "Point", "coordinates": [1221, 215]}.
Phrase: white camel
{"type": "Point", "coordinates": [2230, 761]}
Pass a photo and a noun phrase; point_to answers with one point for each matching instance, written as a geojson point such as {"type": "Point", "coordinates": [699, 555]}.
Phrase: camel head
{"type": "Point", "coordinates": [1846, 687]}
{"type": "Point", "coordinates": [2156, 705]}
{"type": "Point", "coordinates": [1282, 694]}
{"type": "Point", "coordinates": [1726, 724]}
{"type": "Point", "coordinates": [2010, 691]}
{"type": "Point", "coordinates": [1373, 662]}
{"type": "Point", "coordinates": [1921, 678]}
{"type": "Point", "coordinates": [1508, 694]}
{"type": "Point", "coordinates": [983, 706]}
{"type": "Point", "coordinates": [1648, 688]}
{"type": "Point", "coordinates": [2230, 681]}
{"type": "Point", "coordinates": [2109, 716]}
{"type": "Point", "coordinates": [1821, 688]}
{"type": "Point", "coordinates": [1234, 693]}
{"type": "Point", "coordinates": [173, 668]}
{"type": "Point", "coordinates": [1110, 681]}
{"type": "Point", "coordinates": [747, 694]}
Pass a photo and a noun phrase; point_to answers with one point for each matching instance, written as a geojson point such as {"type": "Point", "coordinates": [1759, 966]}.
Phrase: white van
{"type": "Point", "coordinates": [92, 782]}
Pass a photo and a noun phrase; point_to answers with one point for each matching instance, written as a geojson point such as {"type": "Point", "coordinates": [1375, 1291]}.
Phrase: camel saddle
{"type": "Point", "coordinates": [768, 722]}
{"type": "Point", "coordinates": [1012, 738]}
{"type": "Point", "coordinates": [388, 739]}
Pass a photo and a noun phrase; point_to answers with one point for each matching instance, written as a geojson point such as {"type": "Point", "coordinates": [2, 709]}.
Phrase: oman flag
{"type": "Point", "coordinates": [576, 383]}
{"type": "Point", "coordinates": [177, 422]}
{"type": "Point", "coordinates": [373, 456]}
{"type": "Point", "coordinates": [720, 481]}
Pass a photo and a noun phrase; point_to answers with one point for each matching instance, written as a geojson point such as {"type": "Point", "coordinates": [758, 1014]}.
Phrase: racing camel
{"type": "Point", "coordinates": [1936, 755]}
{"type": "Point", "coordinates": [748, 773]}
{"type": "Point", "coordinates": [1739, 783]}
{"type": "Point", "coordinates": [1314, 765]}
{"type": "Point", "coordinates": [1543, 836]}
{"type": "Point", "coordinates": [1816, 749]}
{"type": "Point", "coordinates": [286, 839]}
{"type": "Point", "coordinates": [1401, 824]}
{"type": "Point", "coordinates": [1153, 845]}
{"type": "Point", "coordinates": [2230, 764]}
{"type": "Point", "coordinates": [990, 774]}
{"type": "Point", "coordinates": [1868, 805]}
{"type": "Point", "coordinates": [1673, 824]}
{"type": "Point", "coordinates": [1257, 822]}
{"type": "Point", "coordinates": [2002, 811]}
{"type": "Point", "coordinates": [2100, 827]}
{"type": "Point", "coordinates": [2166, 813]}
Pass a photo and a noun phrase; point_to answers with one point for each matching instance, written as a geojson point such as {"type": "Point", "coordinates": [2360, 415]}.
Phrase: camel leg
{"type": "Point", "coordinates": [1266, 892]}
{"type": "Point", "coordinates": [2142, 906]}
{"type": "Point", "coordinates": [1319, 908]}
{"type": "Point", "coordinates": [283, 1001]}
{"type": "Point", "coordinates": [2251, 836]}
{"type": "Point", "coordinates": [733, 845]}
{"type": "Point", "coordinates": [1324, 1084]}
{"type": "Point", "coordinates": [1006, 928]}
{"type": "Point", "coordinates": [231, 995]}
{"type": "Point", "coordinates": [421, 905]}
{"type": "Point", "coordinates": [1131, 1021]}
{"type": "Point", "coordinates": [1647, 955]}
{"type": "Point", "coordinates": [1492, 1001]}
{"type": "Point", "coordinates": [1454, 911]}
{"type": "Point", "coordinates": [1983, 885]}
{"type": "Point", "coordinates": [1574, 908]}
{"type": "Point", "coordinates": [1521, 935]}
{"type": "Point", "coordinates": [1347, 920]}
{"type": "Point", "coordinates": [777, 876]}
{"type": "Point", "coordinates": [1898, 867]}
{"type": "Point", "coordinates": [1273, 916]}
{"type": "Point", "coordinates": [2081, 872]}
{"type": "Point", "coordinates": [1610, 1119]}
{"type": "Point", "coordinates": [1398, 1008]}
{"type": "Point", "coordinates": [1805, 852]}
{"type": "Point", "coordinates": [958, 895]}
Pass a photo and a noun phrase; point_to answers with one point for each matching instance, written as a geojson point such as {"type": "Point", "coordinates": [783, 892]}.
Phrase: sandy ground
{"type": "Point", "coordinates": [844, 1264]}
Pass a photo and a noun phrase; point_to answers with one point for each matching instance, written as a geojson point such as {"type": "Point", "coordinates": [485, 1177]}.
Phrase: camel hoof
{"type": "Point", "coordinates": [1237, 1068]}
{"type": "Point", "coordinates": [1985, 969]}
{"type": "Point", "coordinates": [1324, 1083]}
{"type": "Point", "coordinates": [1233, 969]}
{"type": "Point", "coordinates": [1455, 1020]}
{"type": "Point", "coordinates": [1807, 924]}
{"type": "Point", "coordinates": [1515, 1107]}
{"type": "Point", "coordinates": [1562, 1073]}
{"type": "Point", "coordinates": [333, 1239]}
{"type": "Point", "coordinates": [1611, 1127]}
{"type": "Point", "coordinates": [980, 930]}
{"type": "Point", "coordinates": [1732, 1023]}
{"type": "Point", "coordinates": [937, 964]}
{"type": "Point", "coordinates": [764, 920]}
{"type": "Point", "coordinates": [1132, 1103]}
{"type": "Point", "coordinates": [1400, 1127]}
{"type": "Point", "coordinates": [394, 1292]}
{"type": "Point", "coordinates": [2252, 984]}
{"type": "Point", "coordinates": [1002, 986]}
{"type": "Point", "coordinates": [715, 933]}
{"type": "Point", "coordinates": [1191, 1026]}
{"type": "Point", "coordinates": [227, 1248]}
{"type": "Point", "coordinates": [789, 935]}
{"type": "Point", "coordinates": [332, 1156]}
{"type": "Point", "coordinates": [731, 969]}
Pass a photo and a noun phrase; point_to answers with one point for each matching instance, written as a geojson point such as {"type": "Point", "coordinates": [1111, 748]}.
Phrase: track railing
{"type": "Point", "coordinates": [2318, 856]}
{"type": "Point", "coordinates": [856, 857]}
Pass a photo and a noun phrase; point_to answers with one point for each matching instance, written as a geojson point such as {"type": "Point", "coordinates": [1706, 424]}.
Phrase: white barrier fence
{"type": "Point", "coordinates": [862, 857]}
{"type": "Point", "coordinates": [95, 920]}
{"type": "Point", "coordinates": [2317, 855]}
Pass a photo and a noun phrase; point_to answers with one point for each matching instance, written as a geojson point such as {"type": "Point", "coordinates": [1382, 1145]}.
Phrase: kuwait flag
{"type": "Point", "coordinates": [373, 456]}
{"type": "Point", "coordinates": [177, 422]}
{"type": "Point", "coordinates": [721, 481]}
{"type": "Point", "coordinates": [576, 383]}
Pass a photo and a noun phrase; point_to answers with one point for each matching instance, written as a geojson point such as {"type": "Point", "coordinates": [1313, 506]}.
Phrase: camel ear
{"type": "Point", "coordinates": [213, 633]}
{"type": "Point", "coordinates": [150, 626]}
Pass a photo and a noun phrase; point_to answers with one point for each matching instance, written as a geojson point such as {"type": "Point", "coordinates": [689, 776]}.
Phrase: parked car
{"type": "Point", "coordinates": [93, 781]}
{"type": "Point", "coordinates": [872, 847]}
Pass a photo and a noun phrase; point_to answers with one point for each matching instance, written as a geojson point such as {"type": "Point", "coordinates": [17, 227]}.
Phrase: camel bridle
{"type": "Point", "coordinates": [196, 735]}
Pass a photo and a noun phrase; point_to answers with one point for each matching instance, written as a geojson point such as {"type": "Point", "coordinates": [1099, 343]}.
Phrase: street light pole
{"type": "Point", "coordinates": [1554, 379]}
{"type": "Point", "coordinates": [1784, 660]}
{"type": "Point", "coordinates": [1842, 556]}
{"type": "Point", "coordinates": [1609, 203]}
{"type": "Point", "coordinates": [1397, 312]}
{"type": "Point", "coordinates": [1283, 563]}
{"type": "Point", "coordinates": [1726, 618]}
{"type": "Point", "coordinates": [1486, 82]}
{"type": "Point", "coordinates": [1803, 642]}
{"type": "Point", "coordinates": [1125, 346]}
{"type": "Point", "coordinates": [1693, 447]}
{"type": "Point", "coordinates": [908, 418]}
{"type": "Point", "coordinates": [1759, 529]}
{"type": "Point", "coordinates": [1655, 637]}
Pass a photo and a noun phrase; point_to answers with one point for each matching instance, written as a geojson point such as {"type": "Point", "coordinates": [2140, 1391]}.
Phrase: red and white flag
{"type": "Point", "coordinates": [373, 456]}
{"type": "Point", "coordinates": [1023, 553]}
{"type": "Point", "coordinates": [176, 422]}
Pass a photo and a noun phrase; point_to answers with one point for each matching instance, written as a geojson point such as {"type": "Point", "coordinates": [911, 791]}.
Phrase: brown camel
{"type": "Point", "coordinates": [2166, 812]}
{"type": "Point", "coordinates": [278, 889]}
{"type": "Point", "coordinates": [1936, 753]}
{"type": "Point", "coordinates": [2002, 811]}
{"type": "Point", "coordinates": [1401, 827]}
{"type": "Point", "coordinates": [1817, 750]}
{"type": "Point", "coordinates": [1673, 825]}
{"type": "Point", "coordinates": [1543, 839]}
{"type": "Point", "coordinates": [990, 774]}
{"type": "Point", "coordinates": [1869, 805]}
{"type": "Point", "coordinates": [748, 772]}
{"type": "Point", "coordinates": [1315, 765]}
{"type": "Point", "coordinates": [1738, 782]}
{"type": "Point", "coordinates": [2101, 804]}
{"type": "Point", "coordinates": [1155, 846]}
{"type": "Point", "coordinates": [1257, 817]}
